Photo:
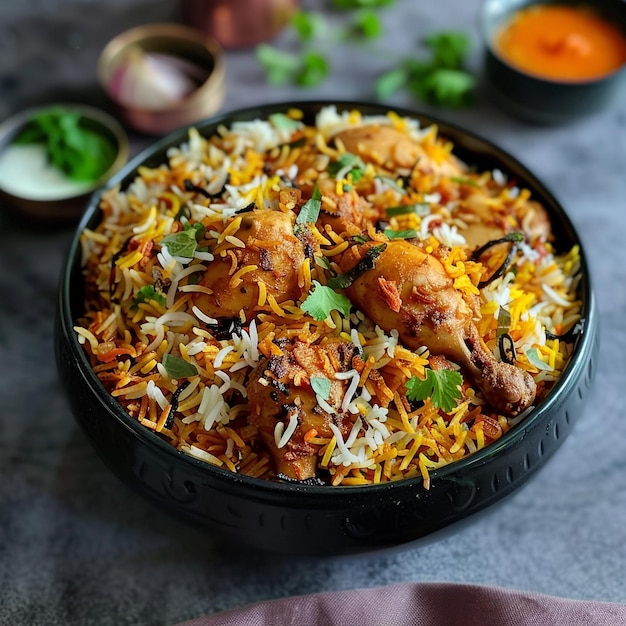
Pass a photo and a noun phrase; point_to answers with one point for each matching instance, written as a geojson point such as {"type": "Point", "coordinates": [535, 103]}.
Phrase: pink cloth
{"type": "Point", "coordinates": [422, 604]}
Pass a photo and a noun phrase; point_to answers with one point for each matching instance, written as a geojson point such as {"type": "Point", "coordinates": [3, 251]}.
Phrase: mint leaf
{"type": "Point", "coordinates": [409, 233]}
{"type": "Point", "coordinates": [283, 122]}
{"type": "Point", "coordinates": [534, 359]}
{"type": "Point", "coordinates": [311, 208]}
{"type": "Point", "coordinates": [177, 367]}
{"type": "Point", "coordinates": [441, 386]}
{"type": "Point", "coordinates": [322, 300]}
{"type": "Point", "coordinates": [182, 244]}
{"type": "Point", "coordinates": [321, 386]}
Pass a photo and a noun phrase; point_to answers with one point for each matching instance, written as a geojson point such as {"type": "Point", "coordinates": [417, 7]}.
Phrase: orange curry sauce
{"type": "Point", "coordinates": [561, 42]}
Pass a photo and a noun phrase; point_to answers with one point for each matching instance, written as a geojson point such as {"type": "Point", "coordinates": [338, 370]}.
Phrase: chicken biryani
{"type": "Point", "coordinates": [339, 302]}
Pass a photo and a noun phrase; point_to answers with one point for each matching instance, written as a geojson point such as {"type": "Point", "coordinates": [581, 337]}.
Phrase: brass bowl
{"type": "Point", "coordinates": [67, 206]}
{"type": "Point", "coordinates": [181, 41]}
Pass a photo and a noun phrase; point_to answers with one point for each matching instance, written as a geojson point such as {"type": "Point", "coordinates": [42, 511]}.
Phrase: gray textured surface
{"type": "Point", "coordinates": [76, 547]}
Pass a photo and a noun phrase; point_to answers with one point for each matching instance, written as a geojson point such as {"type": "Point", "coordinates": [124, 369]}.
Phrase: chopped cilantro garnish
{"type": "Point", "coordinates": [177, 367]}
{"type": "Point", "coordinates": [441, 386]}
{"type": "Point", "coordinates": [321, 386]}
{"type": "Point", "coordinates": [348, 160]}
{"type": "Point", "coordinates": [309, 65]}
{"type": "Point", "coordinates": [322, 300]}
{"type": "Point", "coordinates": [439, 80]}
{"type": "Point", "coordinates": [72, 145]}
{"type": "Point", "coordinates": [366, 24]}
{"type": "Point", "coordinates": [313, 70]}
{"type": "Point", "coordinates": [147, 293]}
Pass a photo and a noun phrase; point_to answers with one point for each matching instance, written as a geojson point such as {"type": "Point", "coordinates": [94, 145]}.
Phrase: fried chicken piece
{"type": "Point", "coordinates": [279, 388]}
{"type": "Point", "coordinates": [271, 246]}
{"type": "Point", "coordinates": [486, 220]}
{"type": "Point", "coordinates": [346, 213]}
{"type": "Point", "coordinates": [391, 148]}
{"type": "Point", "coordinates": [431, 312]}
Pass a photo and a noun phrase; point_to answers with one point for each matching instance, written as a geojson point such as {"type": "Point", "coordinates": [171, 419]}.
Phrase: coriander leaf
{"type": "Point", "coordinates": [311, 208]}
{"type": "Point", "coordinates": [347, 159]}
{"type": "Point", "coordinates": [367, 24]}
{"type": "Point", "coordinates": [279, 66]}
{"type": "Point", "coordinates": [74, 148]}
{"type": "Point", "coordinates": [400, 234]}
{"type": "Point", "coordinates": [449, 48]}
{"type": "Point", "coordinates": [390, 82]}
{"type": "Point", "coordinates": [308, 24]}
{"type": "Point", "coordinates": [441, 386]}
{"type": "Point", "coordinates": [313, 70]}
{"type": "Point", "coordinates": [322, 300]}
{"type": "Point", "coordinates": [177, 367]}
{"type": "Point", "coordinates": [182, 243]}
{"type": "Point", "coordinates": [321, 386]}
{"type": "Point", "coordinates": [445, 87]}
{"type": "Point", "coordinates": [197, 229]}
{"type": "Point", "coordinates": [147, 293]}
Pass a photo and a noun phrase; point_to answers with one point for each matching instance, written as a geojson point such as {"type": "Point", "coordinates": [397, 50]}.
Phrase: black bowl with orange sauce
{"type": "Point", "coordinates": [542, 92]}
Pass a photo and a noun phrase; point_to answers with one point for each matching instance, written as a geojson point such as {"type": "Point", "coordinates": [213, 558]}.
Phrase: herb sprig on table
{"type": "Point", "coordinates": [78, 151]}
{"type": "Point", "coordinates": [440, 78]}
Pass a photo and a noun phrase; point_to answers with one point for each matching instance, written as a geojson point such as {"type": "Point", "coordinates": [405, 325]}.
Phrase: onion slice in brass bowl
{"type": "Point", "coordinates": [311, 360]}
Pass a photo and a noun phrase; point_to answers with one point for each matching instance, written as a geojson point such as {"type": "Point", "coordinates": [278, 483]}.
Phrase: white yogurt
{"type": "Point", "coordinates": [25, 172]}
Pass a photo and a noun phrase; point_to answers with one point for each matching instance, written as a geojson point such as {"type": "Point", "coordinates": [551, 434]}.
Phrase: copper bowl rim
{"type": "Point", "coordinates": [175, 32]}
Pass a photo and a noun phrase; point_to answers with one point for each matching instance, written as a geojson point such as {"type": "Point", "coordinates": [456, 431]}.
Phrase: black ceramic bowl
{"type": "Point", "coordinates": [305, 519]}
{"type": "Point", "coordinates": [543, 100]}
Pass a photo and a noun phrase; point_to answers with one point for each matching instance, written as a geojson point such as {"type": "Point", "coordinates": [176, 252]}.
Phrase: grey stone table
{"type": "Point", "coordinates": [77, 547]}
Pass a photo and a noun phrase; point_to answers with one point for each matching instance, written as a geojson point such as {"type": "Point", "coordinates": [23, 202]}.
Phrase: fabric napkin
{"type": "Point", "coordinates": [421, 604]}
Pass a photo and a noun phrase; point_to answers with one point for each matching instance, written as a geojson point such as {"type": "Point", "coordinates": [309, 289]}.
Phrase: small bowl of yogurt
{"type": "Point", "coordinates": [53, 157]}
